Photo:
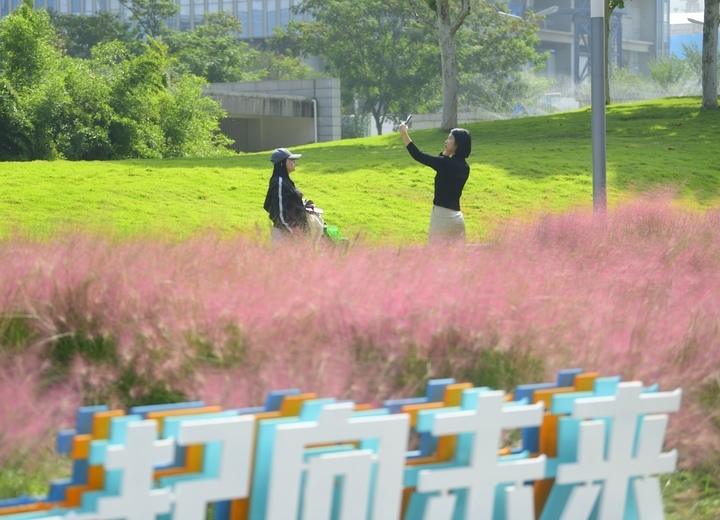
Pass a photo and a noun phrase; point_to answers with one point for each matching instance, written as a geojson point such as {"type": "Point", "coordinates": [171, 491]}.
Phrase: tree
{"type": "Point", "coordinates": [157, 113]}
{"type": "Point", "coordinates": [150, 15]}
{"type": "Point", "coordinates": [693, 61]}
{"type": "Point", "coordinates": [15, 128]}
{"type": "Point", "coordinates": [272, 65]}
{"type": "Point", "coordinates": [212, 50]}
{"type": "Point", "coordinates": [383, 56]}
{"type": "Point", "coordinates": [710, 55]}
{"type": "Point", "coordinates": [190, 121]}
{"type": "Point", "coordinates": [670, 71]}
{"type": "Point", "coordinates": [686, 72]}
{"type": "Point", "coordinates": [449, 18]}
{"type": "Point", "coordinates": [79, 34]}
{"type": "Point", "coordinates": [31, 90]}
{"type": "Point", "coordinates": [495, 55]}
{"type": "Point", "coordinates": [26, 48]}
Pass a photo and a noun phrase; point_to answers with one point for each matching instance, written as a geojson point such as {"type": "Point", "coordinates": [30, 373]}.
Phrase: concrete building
{"type": "Point", "coordinates": [263, 115]}
{"type": "Point", "coordinates": [640, 33]}
{"type": "Point", "coordinates": [258, 17]}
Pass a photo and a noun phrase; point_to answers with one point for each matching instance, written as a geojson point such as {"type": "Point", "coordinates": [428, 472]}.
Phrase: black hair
{"type": "Point", "coordinates": [280, 169]}
{"type": "Point", "coordinates": [463, 143]}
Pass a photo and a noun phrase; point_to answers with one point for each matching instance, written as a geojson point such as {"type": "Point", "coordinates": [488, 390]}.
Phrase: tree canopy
{"type": "Point", "coordinates": [384, 57]}
{"type": "Point", "coordinates": [78, 34]}
{"type": "Point", "coordinates": [494, 52]}
{"type": "Point", "coordinates": [212, 50]}
{"type": "Point", "coordinates": [150, 15]}
{"type": "Point", "coordinates": [117, 104]}
{"type": "Point", "coordinates": [386, 54]}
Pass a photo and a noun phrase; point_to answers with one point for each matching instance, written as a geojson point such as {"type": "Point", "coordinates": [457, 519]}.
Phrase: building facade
{"type": "Point", "coordinates": [258, 17]}
{"type": "Point", "coordinates": [262, 115]}
{"type": "Point", "coordinates": [640, 34]}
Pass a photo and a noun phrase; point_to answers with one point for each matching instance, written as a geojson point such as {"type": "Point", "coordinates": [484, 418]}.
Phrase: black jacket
{"type": "Point", "coordinates": [284, 204]}
{"type": "Point", "coordinates": [452, 174]}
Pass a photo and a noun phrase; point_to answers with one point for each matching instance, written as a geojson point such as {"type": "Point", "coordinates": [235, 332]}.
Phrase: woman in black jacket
{"type": "Point", "coordinates": [284, 202]}
{"type": "Point", "coordinates": [452, 171]}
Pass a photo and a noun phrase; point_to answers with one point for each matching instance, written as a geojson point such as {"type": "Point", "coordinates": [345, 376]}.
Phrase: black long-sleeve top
{"type": "Point", "coordinates": [452, 174]}
{"type": "Point", "coordinates": [285, 205]}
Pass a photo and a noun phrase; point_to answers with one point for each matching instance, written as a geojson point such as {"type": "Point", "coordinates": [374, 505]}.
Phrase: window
{"type": "Point", "coordinates": [271, 16]}
{"type": "Point", "coordinates": [184, 15]}
{"type": "Point", "coordinates": [284, 12]}
{"type": "Point", "coordinates": [198, 11]}
{"type": "Point", "coordinates": [257, 18]}
{"type": "Point", "coordinates": [242, 15]}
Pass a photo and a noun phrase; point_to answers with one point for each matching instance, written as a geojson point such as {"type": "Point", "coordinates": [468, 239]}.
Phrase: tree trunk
{"type": "Point", "coordinates": [379, 119]}
{"type": "Point", "coordinates": [710, 55]}
{"type": "Point", "coordinates": [449, 76]}
{"type": "Point", "coordinates": [378, 126]}
{"type": "Point", "coordinates": [447, 27]}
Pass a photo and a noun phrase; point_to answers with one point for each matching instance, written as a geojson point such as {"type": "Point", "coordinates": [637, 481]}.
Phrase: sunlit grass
{"type": "Point", "coordinates": [371, 186]}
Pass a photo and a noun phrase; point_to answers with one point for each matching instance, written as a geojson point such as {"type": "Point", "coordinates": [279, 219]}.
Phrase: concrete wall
{"type": "Point", "coordinates": [263, 115]}
{"type": "Point", "coordinates": [268, 133]}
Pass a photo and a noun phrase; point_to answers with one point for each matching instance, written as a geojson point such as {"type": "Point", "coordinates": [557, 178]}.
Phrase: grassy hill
{"type": "Point", "coordinates": [372, 186]}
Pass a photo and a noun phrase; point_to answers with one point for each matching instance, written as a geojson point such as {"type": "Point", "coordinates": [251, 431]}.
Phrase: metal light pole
{"type": "Point", "coordinates": [597, 74]}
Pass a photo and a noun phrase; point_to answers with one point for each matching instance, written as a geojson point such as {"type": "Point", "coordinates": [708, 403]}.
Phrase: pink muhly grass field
{"type": "Point", "coordinates": [226, 321]}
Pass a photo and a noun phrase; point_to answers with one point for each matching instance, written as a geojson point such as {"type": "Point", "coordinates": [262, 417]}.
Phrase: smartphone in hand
{"type": "Point", "coordinates": [407, 120]}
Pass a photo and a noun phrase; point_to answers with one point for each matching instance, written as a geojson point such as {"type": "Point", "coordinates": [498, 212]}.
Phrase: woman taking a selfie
{"type": "Point", "coordinates": [447, 224]}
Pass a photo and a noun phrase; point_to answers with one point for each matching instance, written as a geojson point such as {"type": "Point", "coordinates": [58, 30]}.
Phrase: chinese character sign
{"type": "Point", "coordinates": [582, 447]}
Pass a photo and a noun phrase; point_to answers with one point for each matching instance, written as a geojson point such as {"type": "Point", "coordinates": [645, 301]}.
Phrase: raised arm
{"type": "Point", "coordinates": [433, 161]}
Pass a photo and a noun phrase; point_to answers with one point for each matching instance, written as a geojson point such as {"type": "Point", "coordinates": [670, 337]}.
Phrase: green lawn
{"type": "Point", "coordinates": [372, 186]}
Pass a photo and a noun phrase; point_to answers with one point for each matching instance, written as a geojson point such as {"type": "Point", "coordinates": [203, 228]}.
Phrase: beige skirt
{"type": "Point", "coordinates": [446, 226]}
